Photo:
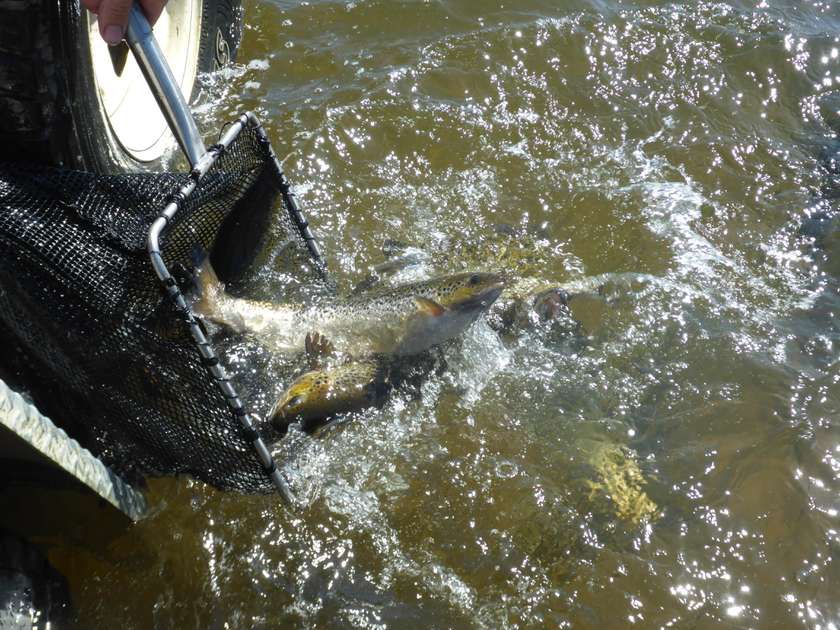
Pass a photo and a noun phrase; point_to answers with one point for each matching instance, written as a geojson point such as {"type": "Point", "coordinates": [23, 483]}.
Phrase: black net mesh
{"type": "Point", "coordinates": [79, 300]}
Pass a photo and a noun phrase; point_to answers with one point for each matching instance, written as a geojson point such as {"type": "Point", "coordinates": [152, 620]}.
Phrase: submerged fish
{"type": "Point", "coordinates": [339, 385]}
{"type": "Point", "coordinates": [326, 392]}
{"type": "Point", "coordinates": [402, 320]}
{"type": "Point", "coordinates": [353, 384]}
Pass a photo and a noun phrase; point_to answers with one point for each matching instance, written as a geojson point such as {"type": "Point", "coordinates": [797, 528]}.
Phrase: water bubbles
{"type": "Point", "coordinates": [506, 469]}
{"type": "Point", "coordinates": [734, 611]}
{"type": "Point", "coordinates": [258, 64]}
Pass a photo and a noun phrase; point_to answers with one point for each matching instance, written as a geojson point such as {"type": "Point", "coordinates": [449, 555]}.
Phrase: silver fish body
{"type": "Point", "coordinates": [402, 320]}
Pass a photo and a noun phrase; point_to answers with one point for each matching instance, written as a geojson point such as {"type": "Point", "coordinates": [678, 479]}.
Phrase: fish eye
{"type": "Point", "coordinates": [475, 279]}
{"type": "Point", "coordinates": [295, 401]}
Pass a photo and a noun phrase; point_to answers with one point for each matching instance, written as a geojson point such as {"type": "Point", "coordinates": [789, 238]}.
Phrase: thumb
{"type": "Point", "coordinates": [152, 9]}
{"type": "Point", "coordinates": [113, 19]}
{"type": "Point", "coordinates": [91, 5]}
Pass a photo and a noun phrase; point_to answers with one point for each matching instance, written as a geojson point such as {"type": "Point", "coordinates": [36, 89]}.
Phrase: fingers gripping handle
{"type": "Point", "coordinates": [163, 85]}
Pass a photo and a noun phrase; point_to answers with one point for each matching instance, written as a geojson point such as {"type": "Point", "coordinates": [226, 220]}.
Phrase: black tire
{"type": "Point", "coordinates": [50, 111]}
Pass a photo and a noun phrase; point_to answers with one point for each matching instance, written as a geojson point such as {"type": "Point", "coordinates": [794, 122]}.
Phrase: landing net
{"type": "Point", "coordinates": [100, 339]}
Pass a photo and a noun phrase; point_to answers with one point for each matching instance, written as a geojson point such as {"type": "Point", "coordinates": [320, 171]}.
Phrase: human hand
{"type": "Point", "coordinates": [113, 16]}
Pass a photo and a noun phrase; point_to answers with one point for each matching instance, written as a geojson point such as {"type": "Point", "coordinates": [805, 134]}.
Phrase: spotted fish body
{"type": "Point", "coordinates": [402, 320]}
{"type": "Point", "coordinates": [347, 386]}
{"type": "Point", "coordinates": [326, 392]}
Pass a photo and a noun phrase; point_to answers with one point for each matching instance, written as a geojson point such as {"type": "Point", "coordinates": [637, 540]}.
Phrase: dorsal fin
{"type": "Point", "coordinates": [429, 307]}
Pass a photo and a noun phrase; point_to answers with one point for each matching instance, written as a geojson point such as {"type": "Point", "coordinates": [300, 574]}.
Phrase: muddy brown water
{"type": "Point", "coordinates": [679, 467]}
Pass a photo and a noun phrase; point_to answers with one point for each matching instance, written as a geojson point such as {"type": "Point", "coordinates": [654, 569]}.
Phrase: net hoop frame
{"type": "Point", "coordinates": [209, 357]}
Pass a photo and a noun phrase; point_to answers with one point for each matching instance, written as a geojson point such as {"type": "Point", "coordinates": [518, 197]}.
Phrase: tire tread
{"type": "Point", "coordinates": [29, 83]}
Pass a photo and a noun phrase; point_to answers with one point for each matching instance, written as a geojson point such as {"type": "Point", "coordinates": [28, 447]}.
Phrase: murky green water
{"type": "Point", "coordinates": [681, 466]}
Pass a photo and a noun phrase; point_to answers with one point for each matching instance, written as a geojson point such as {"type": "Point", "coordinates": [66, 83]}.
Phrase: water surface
{"type": "Point", "coordinates": [678, 467]}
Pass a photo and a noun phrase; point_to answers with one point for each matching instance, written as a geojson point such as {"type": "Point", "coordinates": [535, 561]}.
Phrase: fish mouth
{"type": "Point", "coordinates": [484, 299]}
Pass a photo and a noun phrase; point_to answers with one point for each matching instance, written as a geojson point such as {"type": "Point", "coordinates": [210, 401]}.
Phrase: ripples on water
{"type": "Point", "coordinates": [659, 157]}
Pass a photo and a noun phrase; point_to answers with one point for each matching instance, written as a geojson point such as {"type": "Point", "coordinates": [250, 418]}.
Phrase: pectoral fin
{"type": "Point", "coordinates": [429, 307]}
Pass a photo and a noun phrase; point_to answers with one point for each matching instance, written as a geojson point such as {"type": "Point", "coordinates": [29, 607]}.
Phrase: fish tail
{"type": "Point", "coordinates": [208, 290]}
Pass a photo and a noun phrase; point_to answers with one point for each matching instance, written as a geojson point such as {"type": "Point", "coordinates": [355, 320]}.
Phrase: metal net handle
{"type": "Point", "coordinates": [208, 355]}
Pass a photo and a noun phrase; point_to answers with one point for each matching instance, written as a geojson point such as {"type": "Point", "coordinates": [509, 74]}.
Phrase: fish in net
{"type": "Point", "coordinates": [88, 325]}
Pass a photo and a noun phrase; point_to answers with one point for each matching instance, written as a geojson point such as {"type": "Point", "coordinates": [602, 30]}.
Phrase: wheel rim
{"type": "Point", "coordinates": [127, 104]}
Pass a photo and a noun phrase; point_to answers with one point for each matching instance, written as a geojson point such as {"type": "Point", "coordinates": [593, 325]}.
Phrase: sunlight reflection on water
{"type": "Point", "coordinates": [656, 161]}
